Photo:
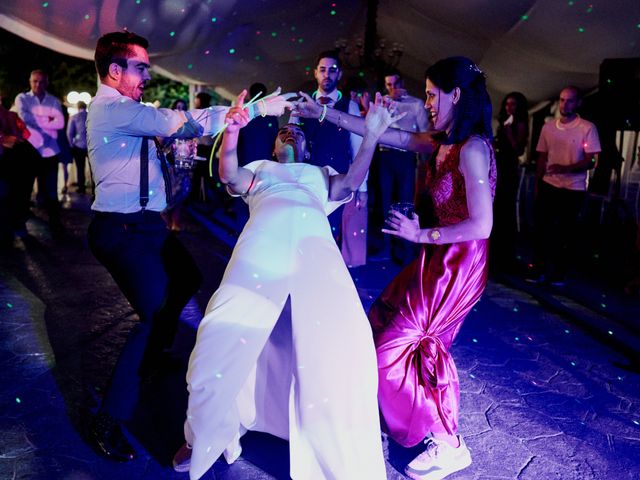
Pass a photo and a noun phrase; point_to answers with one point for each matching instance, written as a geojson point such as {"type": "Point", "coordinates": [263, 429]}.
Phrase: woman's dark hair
{"type": "Point", "coordinates": [522, 113]}
{"type": "Point", "coordinates": [472, 113]}
{"type": "Point", "coordinates": [116, 47]}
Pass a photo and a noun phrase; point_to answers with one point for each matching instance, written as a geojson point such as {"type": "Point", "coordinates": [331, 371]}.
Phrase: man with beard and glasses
{"type": "Point", "coordinates": [567, 150]}
{"type": "Point", "coordinates": [127, 234]}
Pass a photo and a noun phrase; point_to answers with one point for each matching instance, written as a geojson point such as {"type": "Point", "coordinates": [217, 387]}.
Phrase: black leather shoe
{"type": "Point", "coordinates": [109, 439]}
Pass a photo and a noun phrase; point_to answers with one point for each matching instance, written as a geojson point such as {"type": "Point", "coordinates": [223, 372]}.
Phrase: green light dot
{"type": "Point", "coordinates": [361, 74]}
{"type": "Point", "coordinates": [172, 34]}
{"type": "Point", "coordinates": [214, 19]}
{"type": "Point", "coordinates": [45, 4]}
{"type": "Point", "coordinates": [570, 2]}
{"type": "Point", "coordinates": [603, 305]}
{"type": "Point", "coordinates": [190, 66]}
{"type": "Point", "coordinates": [274, 34]}
{"type": "Point", "coordinates": [10, 305]}
{"type": "Point", "coordinates": [18, 400]}
{"type": "Point", "coordinates": [270, 124]}
{"type": "Point", "coordinates": [638, 25]}
{"type": "Point", "coordinates": [301, 40]}
{"type": "Point", "coordinates": [307, 69]}
{"type": "Point", "coordinates": [333, 12]}
{"type": "Point", "coordinates": [218, 185]}
{"type": "Point", "coordinates": [590, 9]}
{"type": "Point", "coordinates": [138, 2]}
{"type": "Point", "coordinates": [581, 29]}
{"type": "Point", "coordinates": [524, 17]}
{"type": "Point", "coordinates": [232, 51]}
{"type": "Point", "coordinates": [87, 17]}
{"type": "Point", "coordinates": [257, 57]}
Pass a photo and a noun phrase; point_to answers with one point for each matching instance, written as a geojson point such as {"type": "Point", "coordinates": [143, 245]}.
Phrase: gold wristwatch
{"type": "Point", "coordinates": [434, 235]}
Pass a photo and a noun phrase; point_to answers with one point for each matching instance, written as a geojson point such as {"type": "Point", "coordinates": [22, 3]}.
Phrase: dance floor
{"type": "Point", "coordinates": [549, 382]}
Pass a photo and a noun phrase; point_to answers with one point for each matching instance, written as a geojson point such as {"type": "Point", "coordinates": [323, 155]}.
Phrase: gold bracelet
{"type": "Point", "coordinates": [324, 114]}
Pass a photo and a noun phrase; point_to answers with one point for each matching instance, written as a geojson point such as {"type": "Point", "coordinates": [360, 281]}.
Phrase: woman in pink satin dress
{"type": "Point", "coordinates": [419, 314]}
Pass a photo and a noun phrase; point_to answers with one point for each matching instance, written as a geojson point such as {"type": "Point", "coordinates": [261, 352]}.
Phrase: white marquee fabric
{"type": "Point", "coordinates": [534, 46]}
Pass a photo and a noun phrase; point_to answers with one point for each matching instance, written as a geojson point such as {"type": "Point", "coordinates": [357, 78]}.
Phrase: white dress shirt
{"type": "Point", "coordinates": [116, 126]}
{"type": "Point", "coordinates": [44, 120]}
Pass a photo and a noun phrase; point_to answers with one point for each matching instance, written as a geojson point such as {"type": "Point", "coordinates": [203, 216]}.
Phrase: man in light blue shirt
{"type": "Point", "coordinates": [77, 136]}
{"type": "Point", "coordinates": [127, 234]}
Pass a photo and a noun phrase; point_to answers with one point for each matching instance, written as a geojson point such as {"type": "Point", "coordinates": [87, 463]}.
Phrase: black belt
{"type": "Point", "coordinates": [142, 216]}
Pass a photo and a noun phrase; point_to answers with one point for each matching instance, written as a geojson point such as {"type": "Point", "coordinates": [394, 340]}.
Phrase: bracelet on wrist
{"type": "Point", "coordinates": [263, 110]}
{"type": "Point", "coordinates": [324, 114]}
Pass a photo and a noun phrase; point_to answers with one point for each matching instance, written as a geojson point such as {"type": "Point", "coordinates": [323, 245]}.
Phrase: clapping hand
{"type": "Point", "coordinates": [307, 107]}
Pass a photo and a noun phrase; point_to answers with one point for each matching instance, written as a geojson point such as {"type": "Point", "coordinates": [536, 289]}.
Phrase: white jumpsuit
{"type": "Point", "coordinates": [316, 382]}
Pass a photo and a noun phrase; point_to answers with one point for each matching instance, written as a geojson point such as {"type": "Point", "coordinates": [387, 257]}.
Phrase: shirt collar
{"type": "Point", "coordinates": [333, 95]}
{"type": "Point", "coordinates": [107, 91]}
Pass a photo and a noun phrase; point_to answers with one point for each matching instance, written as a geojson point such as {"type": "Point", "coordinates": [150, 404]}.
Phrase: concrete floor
{"type": "Point", "coordinates": [548, 389]}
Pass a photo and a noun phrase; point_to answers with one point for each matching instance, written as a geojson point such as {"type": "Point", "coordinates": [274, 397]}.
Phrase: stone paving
{"type": "Point", "coordinates": [545, 394]}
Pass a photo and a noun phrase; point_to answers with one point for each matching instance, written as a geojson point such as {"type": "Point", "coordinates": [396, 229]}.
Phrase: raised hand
{"type": "Point", "coordinates": [307, 108]}
{"type": "Point", "coordinates": [381, 114]}
{"type": "Point", "coordinates": [237, 117]}
{"type": "Point", "coordinates": [275, 103]}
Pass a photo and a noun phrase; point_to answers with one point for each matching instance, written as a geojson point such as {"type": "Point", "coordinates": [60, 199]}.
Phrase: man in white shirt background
{"type": "Point", "coordinates": [42, 113]}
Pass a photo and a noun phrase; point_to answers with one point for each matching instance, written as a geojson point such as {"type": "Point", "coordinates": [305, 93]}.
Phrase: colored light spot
{"type": "Point", "coordinates": [603, 305]}
{"type": "Point", "coordinates": [243, 341]}
{"type": "Point", "coordinates": [590, 9]}
{"type": "Point", "coordinates": [610, 332]}
{"type": "Point", "coordinates": [172, 34]}
{"type": "Point", "coordinates": [122, 145]}
{"type": "Point", "coordinates": [258, 58]}
{"type": "Point", "coordinates": [362, 230]}
{"type": "Point", "coordinates": [87, 16]}
{"type": "Point", "coordinates": [255, 275]}
{"type": "Point", "coordinates": [214, 19]}
{"type": "Point", "coordinates": [301, 40]}
{"type": "Point", "coordinates": [258, 32]}
{"type": "Point", "coordinates": [481, 181]}
{"type": "Point", "coordinates": [218, 185]}
{"type": "Point", "coordinates": [581, 29]}
{"type": "Point", "coordinates": [472, 375]}
{"type": "Point", "coordinates": [517, 339]}
{"type": "Point", "coordinates": [270, 124]}
{"type": "Point", "coordinates": [45, 4]}
{"type": "Point", "coordinates": [258, 287]}
{"type": "Point", "coordinates": [566, 331]}
{"type": "Point", "coordinates": [515, 309]}
{"type": "Point", "coordinates": [361, 74]}
{"type": "Point", "coordinates": [105, 139]}
{"type": "Point", "coordinates": [636, 422]}
{"type": "Point", "coordinates": [570, 3]}
{"type": "Point", "coordinates": [307, 69]}
{"type": "Point", "coordinates": [10, 305]}
{"type": "Point", "coordinates": [218, 375]}
{"type": "Point", "coordinates": [18, 400]}
{"type": "Point", "coordinates": [524, 17]}
{"type": "Point", "coordinates": [190, 66]}
{"type": "Point", "coordinates": [333, 12]}
{"type": "Point", "coordinates": [138, 2]}
{"type": "Point", "coordinates": [293, 28]}
{"type": "Point", "coordinates": [207, 52]}
{"type": "Point", "coordinates": [274, 34]}
{"type": "Point", "coordinates": [475, 340]}
{"type": "Point", "coordinates": [573, 364]}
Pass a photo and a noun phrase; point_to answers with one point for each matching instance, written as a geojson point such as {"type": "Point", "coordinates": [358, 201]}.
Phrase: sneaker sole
{"type": "Point", "coordinates": [438, 474]}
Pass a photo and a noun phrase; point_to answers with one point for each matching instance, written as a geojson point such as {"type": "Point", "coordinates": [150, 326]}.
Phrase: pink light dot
{"type": "Point", "coordinates": [207, 52]}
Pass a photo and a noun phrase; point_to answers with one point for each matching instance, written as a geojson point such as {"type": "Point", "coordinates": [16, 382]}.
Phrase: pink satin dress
{"type": "Point", "coordinates": [418, 315]}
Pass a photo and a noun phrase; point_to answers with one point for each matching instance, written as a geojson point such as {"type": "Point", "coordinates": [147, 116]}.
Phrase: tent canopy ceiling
{"type": "Point", "coordinates": [533, 46]}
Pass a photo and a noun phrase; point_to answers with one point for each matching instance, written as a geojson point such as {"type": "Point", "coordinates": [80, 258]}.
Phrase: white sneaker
{"type": "Point", "coordinates": [438, 461]}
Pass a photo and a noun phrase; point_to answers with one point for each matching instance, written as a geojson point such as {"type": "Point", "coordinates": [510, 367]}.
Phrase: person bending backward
{"type": "Point", "coordinates": [315, 369]}
{"type": "Point", "coordinates": [418, 315]}
{"type": "Point", "coordinates": [127, 233]}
